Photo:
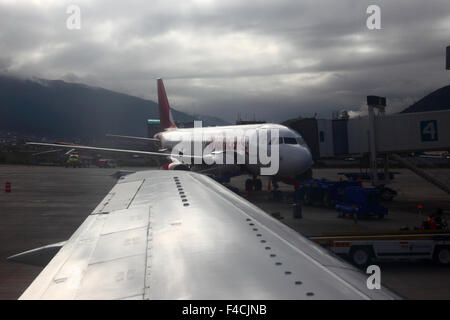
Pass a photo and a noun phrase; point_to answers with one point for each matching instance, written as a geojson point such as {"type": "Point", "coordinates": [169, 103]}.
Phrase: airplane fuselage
{"type": "Point", "coordinates": [294, 156]}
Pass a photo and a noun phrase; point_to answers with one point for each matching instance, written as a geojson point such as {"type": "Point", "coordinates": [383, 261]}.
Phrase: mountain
{"type": "Point", "coordinates": [62, 110]}
{"type": "Point", "coordinates": [437, 100]}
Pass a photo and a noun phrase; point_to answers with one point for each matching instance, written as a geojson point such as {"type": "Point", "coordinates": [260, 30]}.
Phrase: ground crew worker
{"type": "Point", "coordinates": [438, 222]}
{"type": "Point", "coordinates": [435, 221]}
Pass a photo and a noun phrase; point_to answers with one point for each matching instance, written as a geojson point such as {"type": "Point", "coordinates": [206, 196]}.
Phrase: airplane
{"type": "Point", "coordinates": [294, 159]}
{"type": "Point", "coordinates": [178, 234]}
{"type": "Point", "coordinates": [162, 234]}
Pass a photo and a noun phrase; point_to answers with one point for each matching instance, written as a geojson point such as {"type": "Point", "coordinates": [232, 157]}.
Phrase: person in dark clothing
{"type": "Point", "coordinates": [435, 221]}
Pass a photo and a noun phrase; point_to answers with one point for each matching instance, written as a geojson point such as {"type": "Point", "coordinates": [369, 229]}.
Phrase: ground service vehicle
{"type": "Point", "coordinates": [360, 202]}
{"type": "Point", "coordinates": [324, 192]}
{"type": "Point", "coordinates": [361, 248]}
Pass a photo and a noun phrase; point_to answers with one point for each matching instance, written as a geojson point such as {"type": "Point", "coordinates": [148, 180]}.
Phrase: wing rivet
{"type": "Point", "coordinates": [310, 294]}
{"type": "Point", "coordinates": [298, 283]}
{"type": "Point", "coordinates": [267, 248]}
{"type": "Point", "coordinates": [287, 272]}
{"type": "Point", "coordinates": [278, 263]}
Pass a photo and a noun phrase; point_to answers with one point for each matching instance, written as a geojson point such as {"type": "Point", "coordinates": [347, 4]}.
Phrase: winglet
{"type": "Point", "coordinates": [165, 115]}
{"type": "Point", "coordinates": [38, 257]}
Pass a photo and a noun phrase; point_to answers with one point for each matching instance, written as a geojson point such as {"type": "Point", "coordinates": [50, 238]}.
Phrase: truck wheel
{"type": "Point", "coordinates": [386, 194]}
{"type": "Point", "coordinates": [442, 255]}
{"type": "Point", "coordinates": [360, 256]}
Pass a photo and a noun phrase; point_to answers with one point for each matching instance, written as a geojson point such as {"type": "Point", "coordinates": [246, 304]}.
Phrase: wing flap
{"type": "Point", "coordinates": [119, 197]}
{"type": "Point", "coordinates": [105, 260]}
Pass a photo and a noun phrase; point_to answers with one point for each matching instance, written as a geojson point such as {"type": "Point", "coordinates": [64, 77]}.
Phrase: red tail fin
{"type": "Point", "coordinates": [165, 115]}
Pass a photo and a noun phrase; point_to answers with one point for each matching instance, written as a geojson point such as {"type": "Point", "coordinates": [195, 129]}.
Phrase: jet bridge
{"type": "Point", "coordinates": [405, 132]}
{"type": "Point", "coordinates": [380, 134]}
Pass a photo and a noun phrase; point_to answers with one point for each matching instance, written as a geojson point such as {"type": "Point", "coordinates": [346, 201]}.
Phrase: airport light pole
{"type": "Point", "coordinates": [447, 58]}
{"type": "Point", "coordinates": [374, 102]}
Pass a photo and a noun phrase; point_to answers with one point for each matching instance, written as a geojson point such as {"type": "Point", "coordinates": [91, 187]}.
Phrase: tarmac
{"type": "Point", "coordinates": [47, 204]}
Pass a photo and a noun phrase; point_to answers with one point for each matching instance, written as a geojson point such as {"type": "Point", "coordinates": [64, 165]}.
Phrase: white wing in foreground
{"type": "Point", "coordinates": [181, 235]}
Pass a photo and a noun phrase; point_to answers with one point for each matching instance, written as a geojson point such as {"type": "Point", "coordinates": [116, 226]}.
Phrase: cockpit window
{"type": "Point", "coordinates": [290, 140]}
{"type": "Point", "coordinates": [300, 141]}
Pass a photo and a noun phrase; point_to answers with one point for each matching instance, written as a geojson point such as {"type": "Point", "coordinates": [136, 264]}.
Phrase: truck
{"type": "Point", "coordinates": [324, 192]}
{"type": "Point", "coordinates": [360, 202]}
{"type": "Point", "coordinates": [348, 197]}
{"type": "Point", "coordinates": [386, 193]}
{"type": "Point", "coordinates": [362, 248]}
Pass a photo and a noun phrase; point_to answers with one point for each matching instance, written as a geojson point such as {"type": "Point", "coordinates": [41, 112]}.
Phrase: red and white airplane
{"type": "Point", "coordinates": [162, 234]}
{"type": "Point", "coordinates": [292, 161]}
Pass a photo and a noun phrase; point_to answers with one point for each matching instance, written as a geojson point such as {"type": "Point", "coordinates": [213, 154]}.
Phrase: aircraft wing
{"type": "Point", "coordinates": [181, 235]}
{"type": "Point", "coordinates": [150, 153]}
{"type": "Point", "coordinates": [132, 137]}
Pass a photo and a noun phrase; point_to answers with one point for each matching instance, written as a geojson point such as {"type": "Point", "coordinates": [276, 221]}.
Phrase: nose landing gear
{"type": "Point", "coordinates": [254, 184]}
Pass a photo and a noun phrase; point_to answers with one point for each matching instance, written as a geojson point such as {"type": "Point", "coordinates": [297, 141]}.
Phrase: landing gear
{"type": "Point", "coordinates": [253, 184]}
{"type": "Point", "coordinates": [258, 185]}
{"type": "Point", "coordinates": [275, 185]}
{"type": "Point", "coordinates": [248, 185]}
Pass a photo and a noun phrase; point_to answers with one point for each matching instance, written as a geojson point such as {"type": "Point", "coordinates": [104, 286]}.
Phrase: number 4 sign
{"type": "Point", "coordinates": [429, 130]}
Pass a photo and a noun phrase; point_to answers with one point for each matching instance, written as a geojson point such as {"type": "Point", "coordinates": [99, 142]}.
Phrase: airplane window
{"type": "Point", "coordinates": [290, 141]}
{"type": "Point", "coordinates": [300, 141]}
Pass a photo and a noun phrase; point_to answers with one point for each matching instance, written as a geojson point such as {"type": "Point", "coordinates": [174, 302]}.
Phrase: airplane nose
{"type": "Point", "coordinates": [295, 161]}
{"type": "Point", "coordinates": [304, 160]}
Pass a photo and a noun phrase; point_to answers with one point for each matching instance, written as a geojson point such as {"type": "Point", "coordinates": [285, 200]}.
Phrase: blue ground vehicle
{"type": "Point", "coordinates": [361, 202]}
{"type": "Point", "coordinates": [324, 192]}
{"type": "Point", "coordinates": [386, 193]}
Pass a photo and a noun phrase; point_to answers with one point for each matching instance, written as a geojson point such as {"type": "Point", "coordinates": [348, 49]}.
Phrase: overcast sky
{"type": "Point", "coordinates": [275, 59]}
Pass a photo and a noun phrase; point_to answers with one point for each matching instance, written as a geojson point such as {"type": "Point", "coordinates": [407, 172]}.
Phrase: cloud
{"type": "Point", "coordinates": [274, 59]}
